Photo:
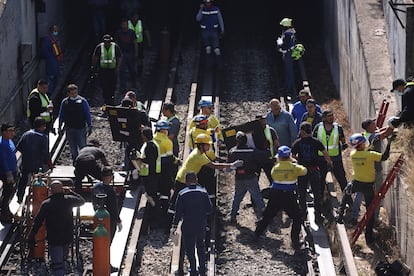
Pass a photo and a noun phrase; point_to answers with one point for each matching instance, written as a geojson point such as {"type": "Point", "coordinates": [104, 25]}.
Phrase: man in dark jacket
{"type": "Point", "coordinates": [75, 114]}
{"type": "Point", "coordinates": [247, 178]}
{"type": "Point", "coordinates": [87, 163]}
{"type": "Point", "coordinates": [35, 154]}
{"type": "Point", "coordinates": [56, 211]}
{"type": "Point", "coordinates": [193, 206]}
{"type": "Point", "coordinates": [110, 202]}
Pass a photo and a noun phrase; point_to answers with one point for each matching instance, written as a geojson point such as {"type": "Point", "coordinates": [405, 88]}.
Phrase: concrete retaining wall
{"type": "Point", "coordinates": [363, 69]}
{"type": "Point", "coordinates": [21, 25]}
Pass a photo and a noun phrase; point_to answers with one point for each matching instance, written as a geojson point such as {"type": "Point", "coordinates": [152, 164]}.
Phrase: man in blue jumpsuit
{"type": "Point", "coordinates": [210, 20]}
{"type": "Point", "coordinates": [193, 206]}
{"type": "Point", "coordinates": [285, 43]}
{"type": "Point", "coordinates": [53, 55]}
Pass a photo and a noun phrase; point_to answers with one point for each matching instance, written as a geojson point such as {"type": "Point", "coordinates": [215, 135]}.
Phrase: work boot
{"type": "Point", "coordinates": [339, 218]}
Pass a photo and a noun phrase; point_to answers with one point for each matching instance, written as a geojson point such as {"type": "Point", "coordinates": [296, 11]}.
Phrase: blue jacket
{"type": "Point", "coordinates": [192, 206]}
{"type": "Point", "coordinates": [75, 113]}
{"type": "Point", "coordinates": [35, 150]}
{"type": "Point", "coordinates": [284, 126]}
{"type": "Point", "coordinates": [210, 18]}
{"type": "Point", "coordinates": [8, 162]}
{"type": "Point", "coordinates": [298, 110]}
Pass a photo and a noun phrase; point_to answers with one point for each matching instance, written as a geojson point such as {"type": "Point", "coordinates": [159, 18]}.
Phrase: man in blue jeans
{"type": "Point", "coordinates": [56, 211]}
{"type": "Point", "coordinates": [247, 178]}
{"type": "Point", "coordinates": [75, 114]}
{"type": "Point", "coordinates": [193, 206]}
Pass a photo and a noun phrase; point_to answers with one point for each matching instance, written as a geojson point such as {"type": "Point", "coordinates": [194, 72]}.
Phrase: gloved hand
{"type": "Point", "coordinates": [10, 178]}
{"type": "Point", "coordinates": [89, 131]}
{"type": "Point", "coordinates": [150, 200]}
{"type": "Point", "coordinates": [344, 146]}
{"type": "Point", "coordinates": [119, 225]}
{"type": "Point", "coordinates": [236, 164]}
{"type": "Point", "coordinates": [279, 41]}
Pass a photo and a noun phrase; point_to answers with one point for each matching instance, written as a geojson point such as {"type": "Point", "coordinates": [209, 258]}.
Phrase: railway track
{"type": "Point", "coordinates": [127, 241]}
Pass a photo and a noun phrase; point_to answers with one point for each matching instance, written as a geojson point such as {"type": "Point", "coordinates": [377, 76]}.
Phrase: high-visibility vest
{"type": "Point", "coordinates": [409, 84]}
{"type": "Point", "coordinates": [332, 146]}
{"type": "Point", "coordinates": [268, 135]}
{"type": "Point", "coordinates": [137, 29]}
{"type": "Point", "coordinates": [144, 171]}
{"type": "Point", "coordinates": [44, 103]}
{"type": "Point", "coordinates": [57, 51]}
{"type": "Point", "coordinates": [108, 57]}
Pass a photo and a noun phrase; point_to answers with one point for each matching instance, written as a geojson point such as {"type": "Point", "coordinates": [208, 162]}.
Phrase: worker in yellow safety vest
{"type": "Point", "coordinates": [109, 56]}
{"type": "Point", "coordinates": [331, 134]}
{"type": "Point", "coordinates": [137, 26]}
{"type": "Point", "coordinates": [206, 108]}
{"type": "Point", "coordinates": [168, 160]}
{"type": "Point", "coordinates": [39, 105]}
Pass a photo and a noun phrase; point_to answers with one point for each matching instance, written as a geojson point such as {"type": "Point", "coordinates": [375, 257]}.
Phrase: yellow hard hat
{"type": "Point", "coordinates": [286, 22]}
{"type": "Point", "coordinates": [203, 139]}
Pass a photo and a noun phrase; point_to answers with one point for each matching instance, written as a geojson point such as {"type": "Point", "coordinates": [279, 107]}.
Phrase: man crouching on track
{"type": "Point", "coordinates": [194, 162]}
{"type": "Point", "coordinates": [56, 211]}
{"type": "Point", "coordinates": [283, 195]}
{"type": "Point", "coordinates": [193, 206]}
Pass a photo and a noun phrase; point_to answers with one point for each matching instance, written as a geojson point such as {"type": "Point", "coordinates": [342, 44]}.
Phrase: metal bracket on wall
{"type": "Point", "coordinates": [395, 9]}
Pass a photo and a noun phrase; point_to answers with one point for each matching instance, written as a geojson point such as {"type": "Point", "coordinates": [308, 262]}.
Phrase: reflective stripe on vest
{"type": "Point", "coordinates": [268, 135]}
{"type": "Point", "coordinates": [171, 118]}
{"type": "Point", "coordinates": [137, 29]}
{"type": "Point", "coordinates": [44, 103]}
{"type": "Point", "coordinates": [108, 58]}
{"type": "Point", "coordinates": [57, 51]}
{"type": "Point", "coordinates": [284, 185]}
{"type": "Point", "coordinates": [332, 146]}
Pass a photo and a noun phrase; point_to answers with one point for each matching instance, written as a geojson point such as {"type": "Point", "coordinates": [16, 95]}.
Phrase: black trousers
{"type": "Point", "coordinates": [84, 168]}
{"type": "Point", "coordinates": [286, 201]}
{"type": "Point", "coordinates": [107, 79]}
{"type": "Point", "coordinates": [337, 170]}
{"type": "Point", "coordinates": [314, 178]}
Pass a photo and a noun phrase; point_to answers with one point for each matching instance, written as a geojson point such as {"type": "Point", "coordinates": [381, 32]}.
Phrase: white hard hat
{"type": "Point", "coordinates": [286, 22]}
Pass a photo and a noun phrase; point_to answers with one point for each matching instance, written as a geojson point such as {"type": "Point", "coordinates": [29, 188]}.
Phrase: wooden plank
{"type": "Point", "coordinates": [121, 238]}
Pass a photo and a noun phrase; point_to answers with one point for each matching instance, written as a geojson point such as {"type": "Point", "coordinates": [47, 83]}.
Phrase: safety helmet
{"type": "Point", "coordinates": [203, 139]}
{"type": "Point", "coordinates": [357, 139]}
{"type": "Point", "coordinates": [286, 22]}
{"type": "Point", "coordinates": [205, 103]}
{"type": "Point", "coordinates": [162, 124]}
{"type": "Point", "coordinates": [298, 51]}
{"type": "Point", "coordinates": [283, 151]}
{"type": "Point", "coordinates": [200, 119]}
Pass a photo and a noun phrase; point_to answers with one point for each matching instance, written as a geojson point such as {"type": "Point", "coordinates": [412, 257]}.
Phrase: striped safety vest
{"type": "Point", "coordinates": [108, 57]}
{"type": "Point", "coordinates": [137, 29]}
{"type": "Point", "coordinates": [144, 171]}
{"type": "Point", "coordinates": [332, 146]}
{"type": "Point", "coordinates": [45, 101]}
{"type": "Point", "coordinates": [57, 51]}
